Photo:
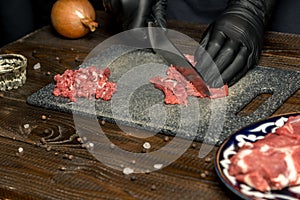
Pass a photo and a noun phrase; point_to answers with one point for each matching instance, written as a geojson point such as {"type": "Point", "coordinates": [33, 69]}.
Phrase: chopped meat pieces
{"type": "Point", "coordinates": [177, 89]}
{"type": "Point", "coordinates": [85, 82]}
{"type": "Point", "coordinates": [271, 163]}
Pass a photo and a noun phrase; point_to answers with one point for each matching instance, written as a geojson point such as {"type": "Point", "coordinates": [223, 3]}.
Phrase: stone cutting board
{"type": "Point", "coordinates": [137, 103]}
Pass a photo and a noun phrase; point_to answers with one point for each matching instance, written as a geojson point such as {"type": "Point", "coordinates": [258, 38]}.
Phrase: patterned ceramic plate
{"type": "Point", "coordinates": [251, 133]}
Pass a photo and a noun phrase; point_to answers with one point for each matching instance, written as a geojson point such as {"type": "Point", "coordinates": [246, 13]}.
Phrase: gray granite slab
{"type": "Point", "coordinates": [137, 103]}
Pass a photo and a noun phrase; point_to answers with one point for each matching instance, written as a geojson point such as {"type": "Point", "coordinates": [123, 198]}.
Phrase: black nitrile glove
{"type": "Point", "coordinates": [136, 13]}
{"type": "Point", "coordinates": [234, 41]}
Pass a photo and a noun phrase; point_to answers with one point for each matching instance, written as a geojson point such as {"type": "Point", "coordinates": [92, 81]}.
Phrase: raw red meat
{"type": "Point", "coordinates": [85, 82]}
{"type": "Point", "coordinates": [218, 92]}
{"type": "Point", "coordinates": [271, 163]}
{"type": "Point", "coordinates": [191, 59]}
{"type": "Point", "coordinates": [177, 89]}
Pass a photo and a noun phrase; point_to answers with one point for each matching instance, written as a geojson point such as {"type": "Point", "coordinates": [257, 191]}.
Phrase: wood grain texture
{"type": "Point", "coordinates": [45, 165]}
{"type": "Point", "coordinates": [55, 164]}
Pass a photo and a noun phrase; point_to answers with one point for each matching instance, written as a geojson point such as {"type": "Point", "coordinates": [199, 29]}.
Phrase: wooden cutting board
{"type": "Point", "coordinates": [137, 103]}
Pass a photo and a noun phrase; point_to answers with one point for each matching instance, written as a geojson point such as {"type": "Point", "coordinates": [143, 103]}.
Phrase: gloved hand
{"type": "Point", "coordinates": [136, 13]}
{"type": "Point", "coordinates": [234, 41]}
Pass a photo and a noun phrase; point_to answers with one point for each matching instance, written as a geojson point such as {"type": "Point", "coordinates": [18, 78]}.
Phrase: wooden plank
{"type": "Point", "coordinates": [44, 171]}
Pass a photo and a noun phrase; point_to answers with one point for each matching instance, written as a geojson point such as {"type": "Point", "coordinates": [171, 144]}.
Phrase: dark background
{"type": "Point", "coordinates": [19, 17]}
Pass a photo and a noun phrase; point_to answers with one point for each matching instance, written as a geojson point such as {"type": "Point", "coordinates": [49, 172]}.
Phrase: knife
{"type": "Point", "coordinates": [161, 45]}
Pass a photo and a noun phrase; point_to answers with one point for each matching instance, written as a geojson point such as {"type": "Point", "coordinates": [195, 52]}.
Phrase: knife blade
{"type": "Point", "coordinates": [161, 45]}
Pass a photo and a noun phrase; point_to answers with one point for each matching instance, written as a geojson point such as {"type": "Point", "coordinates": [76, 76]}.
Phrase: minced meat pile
{"type": "Point", "coordinates": [88, 82]}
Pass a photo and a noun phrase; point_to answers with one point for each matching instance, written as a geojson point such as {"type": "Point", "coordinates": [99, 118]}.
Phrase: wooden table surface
{"type": "Point", "coordinates": [55, 165]}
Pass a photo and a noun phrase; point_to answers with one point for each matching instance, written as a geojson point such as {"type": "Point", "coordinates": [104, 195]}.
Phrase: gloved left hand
{"type": "Point", "coordinates": [136, 13]}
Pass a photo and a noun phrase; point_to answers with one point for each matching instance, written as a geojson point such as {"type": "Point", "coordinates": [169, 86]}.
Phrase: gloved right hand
{"type": "Point", "coordinates": [233, 41]}
{"type": "Point", "coordinates": [136, 13]}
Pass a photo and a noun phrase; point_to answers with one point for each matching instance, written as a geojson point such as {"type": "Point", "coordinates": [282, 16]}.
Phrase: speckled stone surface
{"type": "Point", "coordinates": [137, 103]}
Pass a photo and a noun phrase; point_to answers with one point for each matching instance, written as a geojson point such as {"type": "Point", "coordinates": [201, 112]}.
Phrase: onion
{"type": "Point", "coordinates": [73, 18]}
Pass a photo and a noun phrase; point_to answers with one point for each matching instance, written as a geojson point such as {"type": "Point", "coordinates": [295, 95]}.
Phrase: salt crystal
{"type": "Point", "coordinates": [112, 146]}
{"type": "Point", "coordinates": [37, 66]}
{"type": "Point", "coordinates": [127, 171]}
{"type": "Point", "coordinates": [208, 159]}
{"type": "Point", "coordinates": [20, 150]}
{"type": "Point", "coordinates": [26, 126]}
{"type": "Point", "coordinates": [91, 145]}
{"type": "Point", "coordinates": [147, 145]}
{"type": "Point", "coordinates": [203, 175]}
{"type": "Point", "coordinates": [158, 166]}
{"type": "Point", "coordinates": [153, 187]}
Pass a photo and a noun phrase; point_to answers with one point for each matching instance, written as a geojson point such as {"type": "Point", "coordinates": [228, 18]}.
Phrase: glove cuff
{"type": "Point", "coordinates": [159, 11]}
{"type": "Point", "coordinates": [253, 7]}
{"type": "Point", "coordinates": [253, 14]}
{"type": "Point", "coordinates": [107, 6]}
{"type": "Point", "coordinates": [261, 8]}
{"type": "Point", "coordinates": [254, 20]}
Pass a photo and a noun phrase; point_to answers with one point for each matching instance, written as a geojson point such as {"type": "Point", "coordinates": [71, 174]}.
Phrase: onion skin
{"type": "Point", "coordinates": [73, 18]}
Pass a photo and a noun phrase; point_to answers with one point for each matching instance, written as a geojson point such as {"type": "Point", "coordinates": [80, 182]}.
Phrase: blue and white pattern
{"type": "Point", "coordinates": [230, 147]}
